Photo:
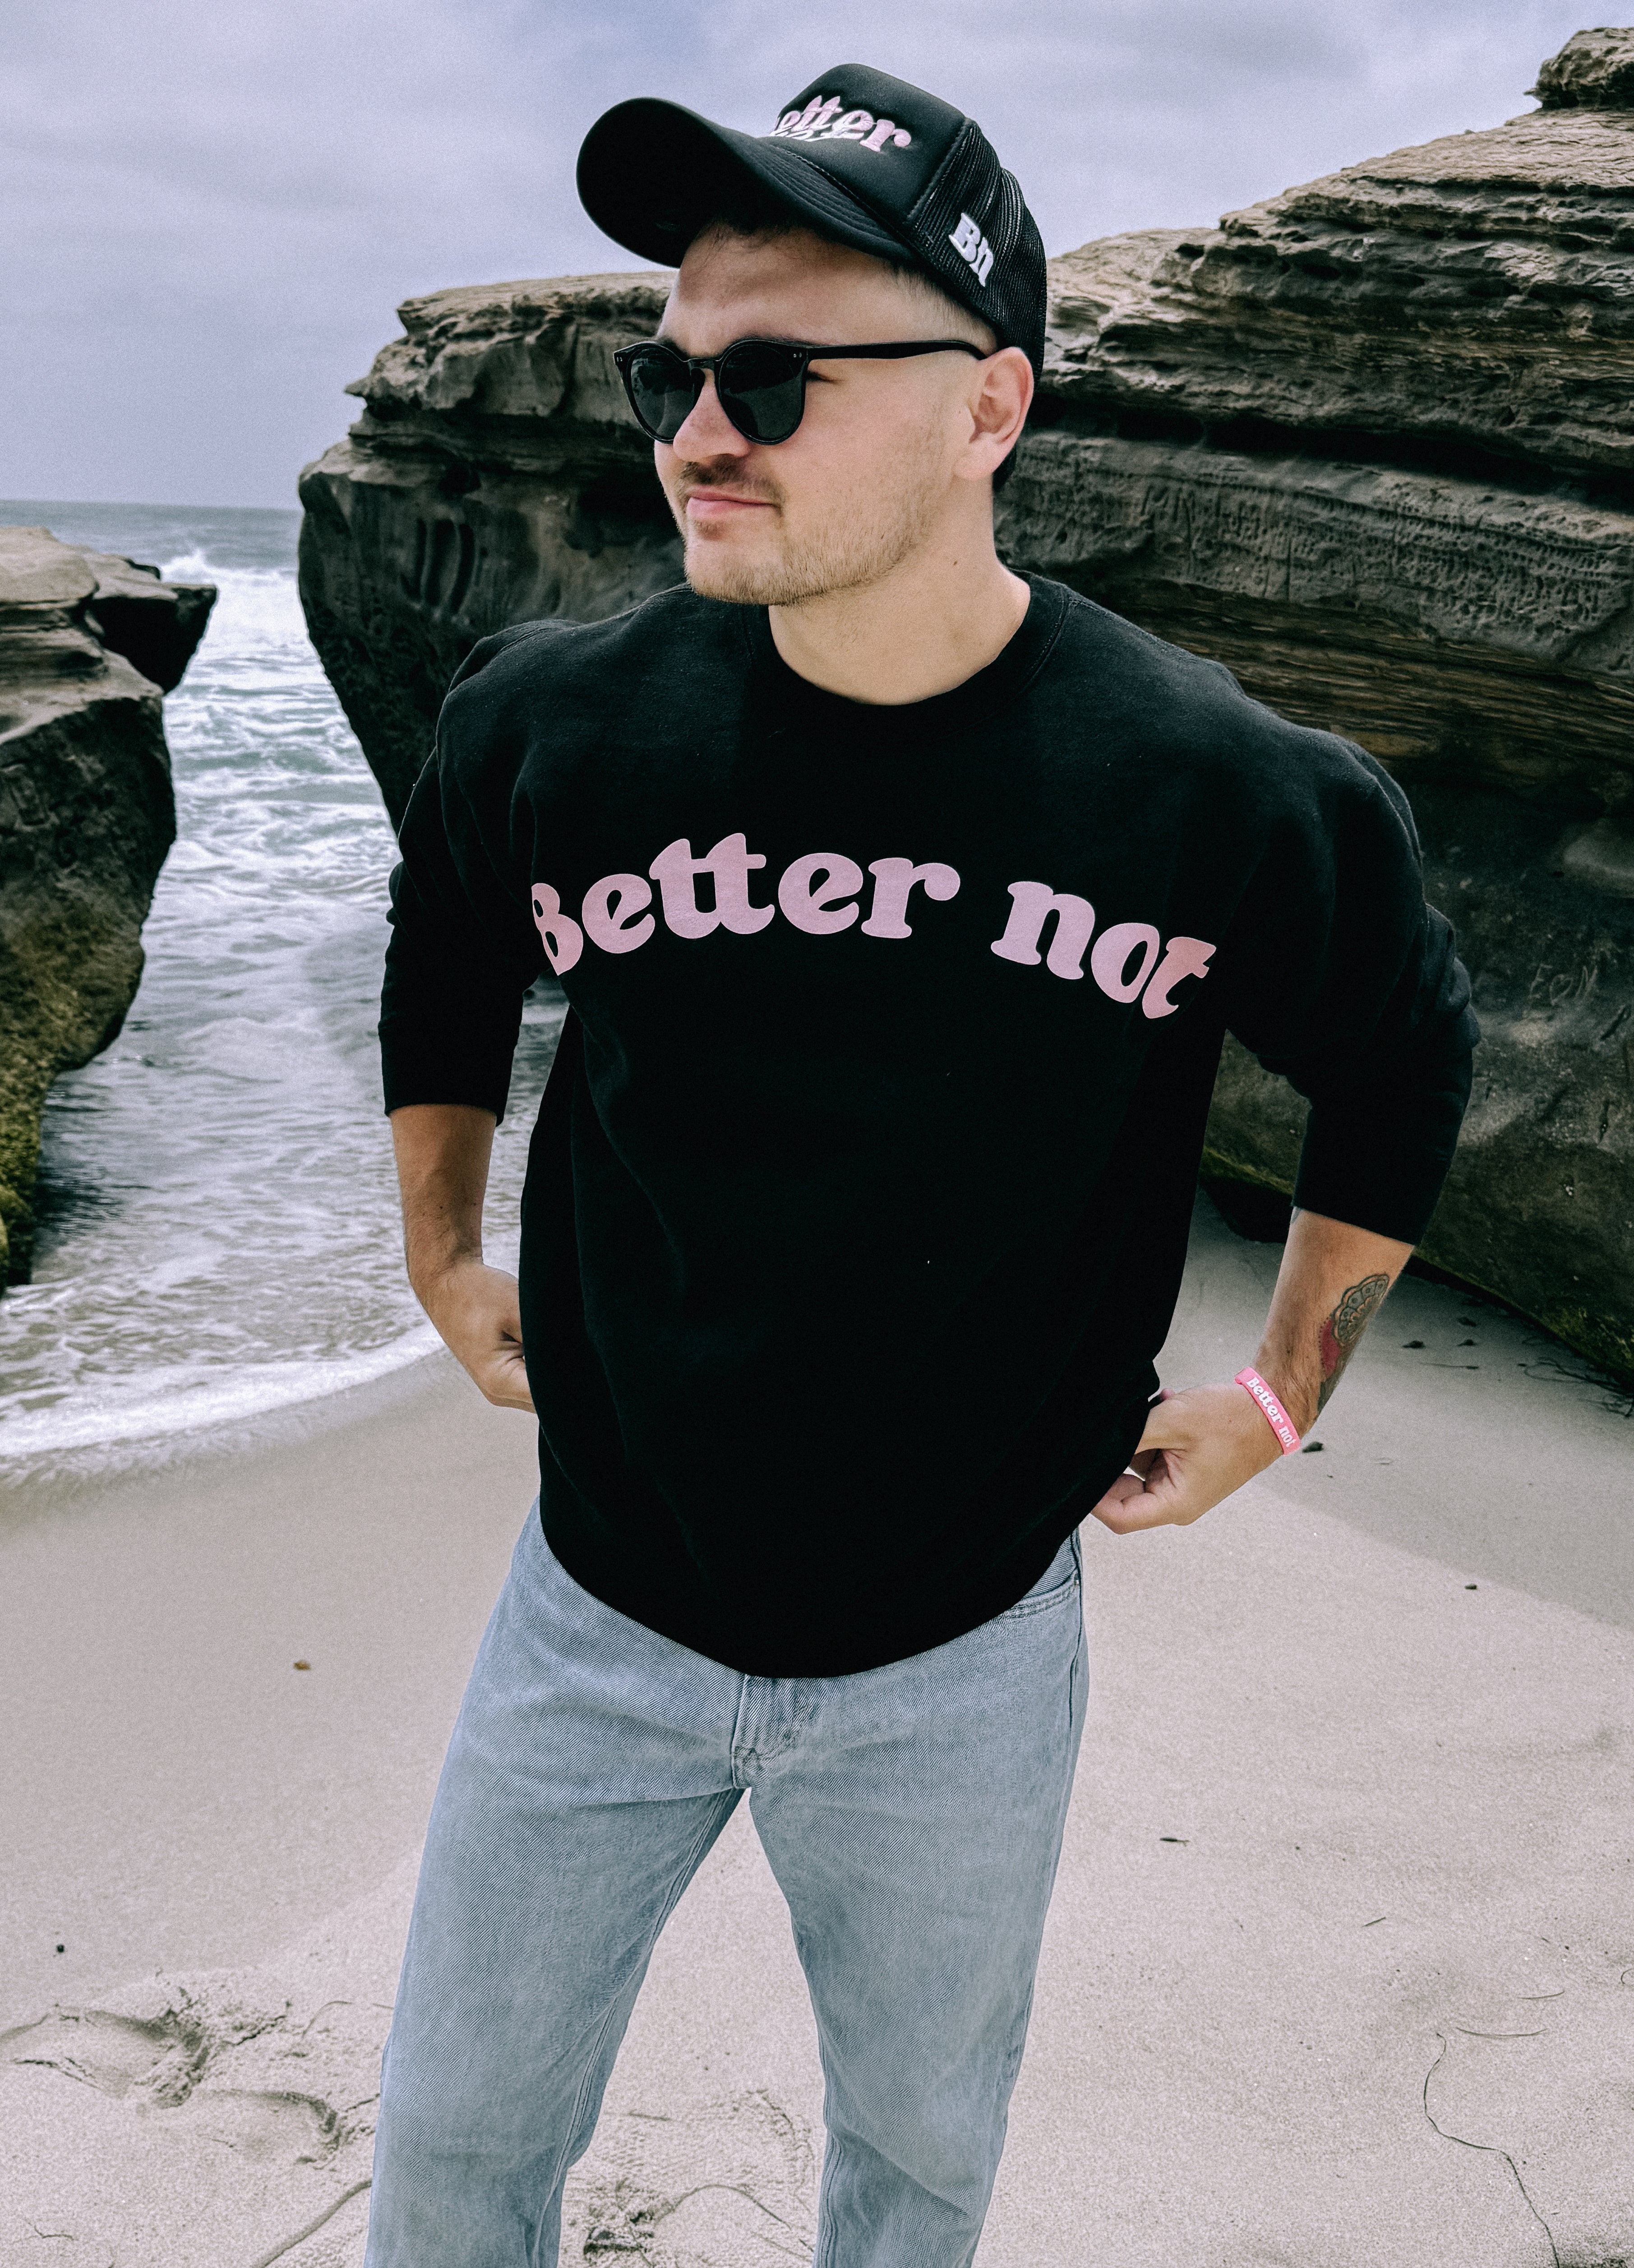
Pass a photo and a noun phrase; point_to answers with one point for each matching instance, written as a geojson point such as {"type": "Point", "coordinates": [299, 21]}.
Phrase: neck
{"type": "Point", "coordinates": [933, 621]}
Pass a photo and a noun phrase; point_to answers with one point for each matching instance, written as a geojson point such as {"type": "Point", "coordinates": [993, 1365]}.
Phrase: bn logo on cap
{"type": "Point", "coordinates": [970, 243]}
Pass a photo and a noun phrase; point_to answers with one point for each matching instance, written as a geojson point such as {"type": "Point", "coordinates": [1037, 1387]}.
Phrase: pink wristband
{"type": "Point", "coordinates": [1275, 1417]}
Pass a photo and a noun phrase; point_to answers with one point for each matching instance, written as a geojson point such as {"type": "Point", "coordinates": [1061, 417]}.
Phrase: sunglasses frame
{"type": "Point", "coordinates": [802, 354]}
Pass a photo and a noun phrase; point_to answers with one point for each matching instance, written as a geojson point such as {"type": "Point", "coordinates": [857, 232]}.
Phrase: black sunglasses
{"type": "Point", "coordinates": [761, 383]}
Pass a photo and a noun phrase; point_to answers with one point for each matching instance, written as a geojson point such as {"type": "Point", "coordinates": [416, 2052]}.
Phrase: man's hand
{"type": "Point", "coordinates": [1198, 1448]}
{"type": "Point", "coordinates": [478, 1320]}
{"type": "Point", "coordinates": [443, 1150]}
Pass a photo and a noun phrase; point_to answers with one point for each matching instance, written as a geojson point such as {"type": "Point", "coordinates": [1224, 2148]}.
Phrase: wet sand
{"type": "Point", "coordinates": [1350, 1859]}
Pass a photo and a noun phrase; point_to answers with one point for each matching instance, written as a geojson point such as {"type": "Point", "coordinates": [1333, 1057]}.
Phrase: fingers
{"type": "Point", "coordinates": [502, 1378]}
{"type": "Point", "coordinates": [1196, 1448]}
{"type": "Point", "coordinates": [1172, 1423]}
{"type": "Point", "coordinates": [1137, 1501]}
{"type": "Point", "coordinates": [1213, 1422]}
{"type": "Point", "coordinates": [476, 1309]}
{"type": "Point", "coordinates": [1132, 1517]}
{"type": "Point", "coordinates": [1174, 1485]}
{"type": "Point", "coordinates": [1125, 1486]}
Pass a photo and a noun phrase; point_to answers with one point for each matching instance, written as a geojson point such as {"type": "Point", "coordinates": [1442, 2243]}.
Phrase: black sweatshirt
{"type": "Point", "coordinates": [858, 1199]}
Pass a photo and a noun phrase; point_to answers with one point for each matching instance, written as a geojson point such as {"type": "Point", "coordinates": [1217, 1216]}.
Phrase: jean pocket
{"type": "Point", "coordinates": [1059, 1582]}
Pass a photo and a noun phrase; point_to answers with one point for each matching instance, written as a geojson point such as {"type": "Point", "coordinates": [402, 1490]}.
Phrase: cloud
{"type": "Point", "coordinates": [208, 216]}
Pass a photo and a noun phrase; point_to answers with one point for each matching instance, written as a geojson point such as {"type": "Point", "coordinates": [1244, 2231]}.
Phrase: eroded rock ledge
{"type": "Point", "coordinates": [495, 475]}
{"type": "Point", "coordinates": [88, 643]}
{"type": "Point", "coordinates": [1368, 444]}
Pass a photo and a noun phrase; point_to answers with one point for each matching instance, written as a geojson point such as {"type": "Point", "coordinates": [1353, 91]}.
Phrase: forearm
{"type": "Point", "coordinates": [1332, 1282]}
{"type": "Point", "coordinates": [443, 1151]}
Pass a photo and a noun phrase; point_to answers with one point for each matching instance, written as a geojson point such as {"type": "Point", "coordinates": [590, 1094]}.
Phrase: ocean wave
{"type": "Point", "coordinates": [257, 610]}
{"type": "Point", "coordinates": [219, 1225]}
{"type": "Point", "coordinates": [149, 1408]}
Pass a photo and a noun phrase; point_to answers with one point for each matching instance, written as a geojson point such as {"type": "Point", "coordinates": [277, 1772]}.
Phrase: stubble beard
{"type": "Point", "coordinates": [856, 542]}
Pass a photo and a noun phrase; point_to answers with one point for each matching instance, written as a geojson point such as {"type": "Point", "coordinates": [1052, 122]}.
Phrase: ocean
{"type": "Point", "coordinates": [218, 1218]}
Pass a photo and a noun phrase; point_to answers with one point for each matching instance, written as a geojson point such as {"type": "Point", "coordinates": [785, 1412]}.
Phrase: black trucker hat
{"type": "Point", "coordinates": [866, 157]}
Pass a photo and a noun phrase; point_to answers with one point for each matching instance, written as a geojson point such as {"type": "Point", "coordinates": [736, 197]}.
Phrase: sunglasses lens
{"type": "Point", "coordinates": [762, 390]}
{"type": "Point", "coordinates": [661, 389]}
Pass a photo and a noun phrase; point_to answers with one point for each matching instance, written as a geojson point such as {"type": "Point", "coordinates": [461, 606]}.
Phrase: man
{"type": "Point", "coordinates": [901, 903]}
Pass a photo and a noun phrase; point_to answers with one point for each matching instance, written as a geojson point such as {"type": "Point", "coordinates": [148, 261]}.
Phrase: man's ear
{"type": "Point", "coordinates": [1001, 394]}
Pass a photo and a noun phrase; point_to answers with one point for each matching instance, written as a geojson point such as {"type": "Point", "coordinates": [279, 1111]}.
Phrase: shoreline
{"type": "Point", "coordinates": [243, 1396]}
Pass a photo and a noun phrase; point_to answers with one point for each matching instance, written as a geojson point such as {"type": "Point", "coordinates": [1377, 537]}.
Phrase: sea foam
{"type": "Point", "coordinates": [220, 1231]}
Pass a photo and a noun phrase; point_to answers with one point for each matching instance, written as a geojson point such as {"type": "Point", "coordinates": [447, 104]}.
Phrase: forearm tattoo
{"type": "Point", "coordinates": [1340, 1329]}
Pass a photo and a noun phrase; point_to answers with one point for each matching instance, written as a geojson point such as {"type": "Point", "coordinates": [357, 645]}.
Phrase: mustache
{"type": "Point", "coordinates": [723, 473]}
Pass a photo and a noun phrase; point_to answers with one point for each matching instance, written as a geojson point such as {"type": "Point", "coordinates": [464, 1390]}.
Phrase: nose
{"type": "Point", "coordinates": [707, 431]}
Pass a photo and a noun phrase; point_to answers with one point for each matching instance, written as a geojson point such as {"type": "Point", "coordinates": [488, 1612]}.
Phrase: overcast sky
{"type": "Point", "coordinates": [208, 213]}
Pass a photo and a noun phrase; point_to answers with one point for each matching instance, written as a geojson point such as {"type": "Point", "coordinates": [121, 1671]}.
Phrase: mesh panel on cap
{"type": "Point", "coordinates": [971, 180]}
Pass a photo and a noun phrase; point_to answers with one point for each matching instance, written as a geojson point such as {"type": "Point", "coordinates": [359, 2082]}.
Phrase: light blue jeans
{"type": "Point", "coordinates": [912, 1816]}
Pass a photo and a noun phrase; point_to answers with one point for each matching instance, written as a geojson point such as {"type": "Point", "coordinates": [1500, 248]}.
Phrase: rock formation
{"type": "Point", "coordinates": [86, 816]}
{"type": "Point", "coordinates": [155, 625]}
{"type": "Point", "coordinates": [495, 475]}
{"type": "Point", "coordinates": [1368, 444]}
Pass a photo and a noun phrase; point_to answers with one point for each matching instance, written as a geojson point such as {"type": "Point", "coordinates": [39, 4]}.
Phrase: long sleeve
{"type": "Point", "coordinates": [463, 950]}
{"type": "Point", "coordinates": [1348, 985]}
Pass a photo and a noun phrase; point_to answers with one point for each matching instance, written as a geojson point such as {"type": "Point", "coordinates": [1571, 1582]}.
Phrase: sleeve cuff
{"type": "Point", "coordinates": [418, 1067]}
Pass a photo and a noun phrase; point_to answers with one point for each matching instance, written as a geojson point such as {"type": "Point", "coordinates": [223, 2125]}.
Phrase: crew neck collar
{"type": "Point", "coordinates": [994, 688]}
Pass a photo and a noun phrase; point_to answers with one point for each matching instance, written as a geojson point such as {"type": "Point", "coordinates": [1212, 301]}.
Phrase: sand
{"type": "Point", "coordinates": [1340, 1972]}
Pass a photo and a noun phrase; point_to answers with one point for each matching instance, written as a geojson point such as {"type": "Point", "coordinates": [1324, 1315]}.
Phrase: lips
{"type": "Point", "coordinates": [717, 505]}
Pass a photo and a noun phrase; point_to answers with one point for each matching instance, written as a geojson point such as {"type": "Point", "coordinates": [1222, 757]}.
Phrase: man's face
{"type": "Point", "coordinates": [872, 467]}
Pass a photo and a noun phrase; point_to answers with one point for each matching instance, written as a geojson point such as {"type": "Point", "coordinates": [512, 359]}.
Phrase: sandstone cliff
{"type": "Point", "coordinates": [86, 816]}
{"type": "Point", "coordinates": [495, 475]}
{"type": "Point", "coordinates": [1368, 444]}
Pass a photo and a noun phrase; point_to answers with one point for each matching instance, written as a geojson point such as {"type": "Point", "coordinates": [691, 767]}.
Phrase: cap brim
{"type": "Point", "coordinates": [652, 173]}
